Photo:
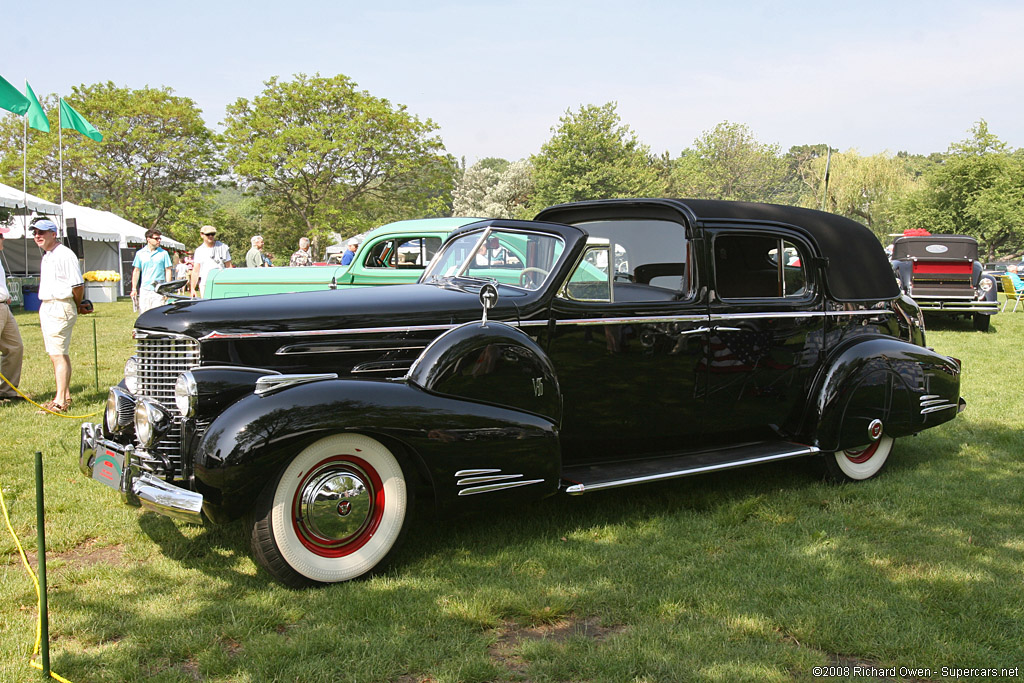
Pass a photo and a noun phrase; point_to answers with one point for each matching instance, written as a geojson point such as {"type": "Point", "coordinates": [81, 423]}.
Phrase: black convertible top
{"type": "Point", "coordinates": [857, 269]}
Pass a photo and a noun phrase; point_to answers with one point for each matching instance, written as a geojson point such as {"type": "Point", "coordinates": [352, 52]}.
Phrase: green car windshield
{"type": "Point", "coordinates": [519, 259]}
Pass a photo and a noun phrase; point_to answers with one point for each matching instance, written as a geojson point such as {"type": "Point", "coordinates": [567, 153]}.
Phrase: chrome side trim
{"type": "Point", "coordinates": [622, 320]}
{"type": "Point", "coordinates": [490, 488]}
{"type": "Point", "coordinates": [265, 385]}
{"type": "Point", "coordinates": [579, 489]}
{"type": "Point", "coordinates": [490, 480]}
{"type": "Point", "coordinates": [486, 479]}
{"type": "Point", "coordinates": [303, 349]}
{"type": "Point", "coordinates": [935, 409]}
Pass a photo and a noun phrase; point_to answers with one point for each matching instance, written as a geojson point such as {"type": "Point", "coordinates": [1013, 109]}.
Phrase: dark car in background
{"type": "Point", "coordinates": [604, 344]}
{"type": "Point", "coordinates": [944, 277]}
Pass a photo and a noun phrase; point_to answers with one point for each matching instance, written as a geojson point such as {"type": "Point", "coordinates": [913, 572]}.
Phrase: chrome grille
{"type": "Point", "coordinates": [162, 357]}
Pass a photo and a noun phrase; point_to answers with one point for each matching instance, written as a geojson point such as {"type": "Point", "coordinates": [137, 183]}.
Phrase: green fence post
{"type": "Point", "coordinates": [44, 615]}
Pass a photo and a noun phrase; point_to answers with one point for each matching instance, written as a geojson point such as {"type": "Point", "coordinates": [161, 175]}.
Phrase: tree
{"type": "Point", "coordinates": [494, 190]}
{"type": "Point", "coordinates": [156, 160]}
{"type": "Point", "coordinates": [978, 191]}
{"type": "Point", "coordinates": [324, 156]}
{"type": "Point", "coordinates": [593, 155]}
{"type": "Point", "coordinates": [866, 189]}
{"type": "Point", "coordinates": [729, 163]}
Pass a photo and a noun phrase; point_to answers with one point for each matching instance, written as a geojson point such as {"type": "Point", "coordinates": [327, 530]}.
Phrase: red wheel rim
{"type": "Point", "coordinates": [859, 455]}
{"type": "Point", "coordinates": [329, 547]}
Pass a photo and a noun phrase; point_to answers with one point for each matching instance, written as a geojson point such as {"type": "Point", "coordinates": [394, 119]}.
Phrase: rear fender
{"type": "Point", "coordinates": [465, 452]}
{"type": "Point", "coordinates": [907, 387]}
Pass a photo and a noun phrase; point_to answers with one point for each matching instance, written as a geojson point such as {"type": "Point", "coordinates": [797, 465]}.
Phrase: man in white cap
{"type": "Point", "coordinates": [350, 253]}
{"type": "Point", "coordinates": [10, 338]}
{"type": "Point", "coordinates": [61, 290]}
{"type": "Point", "coordinates": [211, 255]}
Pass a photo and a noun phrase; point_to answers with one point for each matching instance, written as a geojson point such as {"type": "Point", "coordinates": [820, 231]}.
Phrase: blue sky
{"type": "Point", "coordinates": [496, 76]}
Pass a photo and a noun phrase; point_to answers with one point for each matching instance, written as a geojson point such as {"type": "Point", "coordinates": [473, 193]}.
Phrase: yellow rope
{"type": "Point", "coordinates": [71, 417]}
{"type": "Point", "coordinates": [35, 581]}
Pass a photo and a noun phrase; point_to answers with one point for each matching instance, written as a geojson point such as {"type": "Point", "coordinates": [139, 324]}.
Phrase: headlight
{"type": "Point", "coordinates": [151, 422]}
{"type": "Point", "coordinates": [186, 393]}
{"type": "Point", "coordinates": [120, 410]}
{"type": "Point", "coordinates": [985, 285]}
{"type": "Point", "coordinates": [131, 374]}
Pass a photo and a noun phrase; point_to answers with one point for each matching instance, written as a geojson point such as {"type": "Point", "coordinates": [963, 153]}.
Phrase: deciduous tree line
{"type": "Point", "coordinates": [316, 156]}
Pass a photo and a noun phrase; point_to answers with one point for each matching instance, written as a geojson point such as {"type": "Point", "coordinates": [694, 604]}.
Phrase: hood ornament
{"type": "Point", "coordinates": [488, 300]}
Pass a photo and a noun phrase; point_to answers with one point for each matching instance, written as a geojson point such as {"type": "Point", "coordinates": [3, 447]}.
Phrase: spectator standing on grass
{"type": "Point", "coordinates": [350, 253]}
{"type": "Point", "coordinates": [11, 346]}
{"type": "Point", "coordinates": [209, 256]}
{"type": "Point", "coordinates": [151, 267]}
{"type": "Point", "coordinates": [61, 290]}
{"type": "Point", "coordinates": [303, 257]}
{"type": "Point", "coordinates": [254, 257]}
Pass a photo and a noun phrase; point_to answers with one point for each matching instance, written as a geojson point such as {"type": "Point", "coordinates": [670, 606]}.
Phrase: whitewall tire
{"type": "Point", "coordinates": [335, 513]}
{"type": "Point", "coordinates": [858, 464]}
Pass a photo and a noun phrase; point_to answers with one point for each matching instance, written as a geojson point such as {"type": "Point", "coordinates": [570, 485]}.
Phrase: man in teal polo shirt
{"type": "Point", "coordinates": [151, 267]}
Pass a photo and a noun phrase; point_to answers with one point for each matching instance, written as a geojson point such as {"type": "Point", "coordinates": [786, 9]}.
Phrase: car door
{"type": "Point", "coordinates": [767, 333]}
{"type": "Point", "coordinates": [627, 336]}
{"type": "Point", "coordinates": [393, 259]}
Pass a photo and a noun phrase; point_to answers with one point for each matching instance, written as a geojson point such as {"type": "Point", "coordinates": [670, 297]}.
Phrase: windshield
{"type": "Point", "coordinates": [520, 259]}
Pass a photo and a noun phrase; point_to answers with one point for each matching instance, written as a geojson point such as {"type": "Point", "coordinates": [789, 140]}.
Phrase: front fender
{"type": "Point", "coordinates": [248, 444]}
{"type": "Point", "coordinates": [493, 363]}
{"type": "Point", "coordinates": [908, 387]}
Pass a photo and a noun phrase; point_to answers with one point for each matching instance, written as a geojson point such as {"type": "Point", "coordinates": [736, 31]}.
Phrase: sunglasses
{"type": "Point", "coordinates": [156, 237]}
{"type": "Point", "coordinates": [209, 234]}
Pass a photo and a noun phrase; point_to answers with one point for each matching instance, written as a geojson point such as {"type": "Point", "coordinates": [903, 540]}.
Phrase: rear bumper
{"type": "Point", "coordinates": [117, 466]}
{"type": "Point", "coordinates": [958, 306]}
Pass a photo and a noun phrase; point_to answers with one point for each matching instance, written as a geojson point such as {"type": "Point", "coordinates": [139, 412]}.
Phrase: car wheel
{"type": "Point", "coordinates": [335, 513]}
{"type": "Point", "coordinates": [981, 322]}
{"type": "Point", "coordinates": [857, 464]}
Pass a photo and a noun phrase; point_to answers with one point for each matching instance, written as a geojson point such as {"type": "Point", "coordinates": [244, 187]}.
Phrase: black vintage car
{"type": "Point", "coordinates": [604, 344]}
{"type": "Point", "coordinates": [943, 275]}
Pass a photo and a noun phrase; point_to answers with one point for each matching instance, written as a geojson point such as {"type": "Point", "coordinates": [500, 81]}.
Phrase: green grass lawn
{"type": "Point", "coordinates": [758, 574]}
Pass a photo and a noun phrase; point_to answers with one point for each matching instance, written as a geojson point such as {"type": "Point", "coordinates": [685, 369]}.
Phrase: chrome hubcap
{"type": "Point", "coordinates": [335, 504]}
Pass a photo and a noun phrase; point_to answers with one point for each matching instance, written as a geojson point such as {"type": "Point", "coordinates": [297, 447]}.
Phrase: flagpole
{"type": "Point", "coordinates": [24, 191]}
{"type": "Point", "coordinates": [60, 165]}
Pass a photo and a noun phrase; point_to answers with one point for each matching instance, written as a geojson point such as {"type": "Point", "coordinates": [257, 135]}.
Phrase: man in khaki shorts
{"type": "Point", "coordinates": [61, 290]}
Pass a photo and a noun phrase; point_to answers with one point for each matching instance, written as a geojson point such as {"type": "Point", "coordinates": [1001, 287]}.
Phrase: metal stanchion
{"type": "Point", "coordinates": [44, 616]}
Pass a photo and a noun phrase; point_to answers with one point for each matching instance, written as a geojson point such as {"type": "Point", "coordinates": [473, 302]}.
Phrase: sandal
{"type": "Point", "coordinates": [54, 407]}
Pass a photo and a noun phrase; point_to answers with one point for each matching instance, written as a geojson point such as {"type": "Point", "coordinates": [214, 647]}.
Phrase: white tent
{"type": "Point", "coordinates": [103, 234]}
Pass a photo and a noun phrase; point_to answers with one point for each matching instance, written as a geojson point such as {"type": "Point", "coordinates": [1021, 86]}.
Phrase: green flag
{"type": "Point", "coordinates": [11, 99]}
{"type": "Point", "coordinates": [69, 118]}
{"type": "Point", "coordinates": [36, 116]}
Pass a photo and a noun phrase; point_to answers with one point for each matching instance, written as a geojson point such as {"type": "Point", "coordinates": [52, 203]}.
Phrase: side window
{"type": "Point", "coordinates": [591, 280]}
{"type": "Point", "coordinates": [379, 255]}
{"type": "Point", "coordinates": [648, 259]}
{"type": "Point", "coordinates": [759, 267]}
{"type": "Point", "coordinates": [402, 252]}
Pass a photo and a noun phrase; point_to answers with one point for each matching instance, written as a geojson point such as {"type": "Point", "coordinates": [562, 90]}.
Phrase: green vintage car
{"type": "Point", "coordinates": [392, 254]}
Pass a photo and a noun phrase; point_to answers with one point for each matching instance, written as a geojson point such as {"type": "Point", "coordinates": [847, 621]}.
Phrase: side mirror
{"type": "Point", "coordinates": [488, 300]}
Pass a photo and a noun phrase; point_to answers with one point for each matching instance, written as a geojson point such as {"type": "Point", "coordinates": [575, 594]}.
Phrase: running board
{"type": "Point", "coordinates": [580, 480]}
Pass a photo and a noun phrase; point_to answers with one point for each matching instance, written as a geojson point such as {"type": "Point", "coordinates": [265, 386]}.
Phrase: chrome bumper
{"type": "Point", "coordinates": [116, 466]}
{"type": "Point", "coordinates": [946, 306]}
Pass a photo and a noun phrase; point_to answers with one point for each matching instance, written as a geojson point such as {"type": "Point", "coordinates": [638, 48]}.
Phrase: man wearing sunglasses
{"type": "Point", "coordinates": [209, 256]}
{"type": "Point", "coordinates": [151, 267]}
{"type": "Point", "coordinates": [61, 290]}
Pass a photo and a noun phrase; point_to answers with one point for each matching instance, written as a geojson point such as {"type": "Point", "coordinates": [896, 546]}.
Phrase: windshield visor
{"type": "Point", "coordinates": [519, 259]}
